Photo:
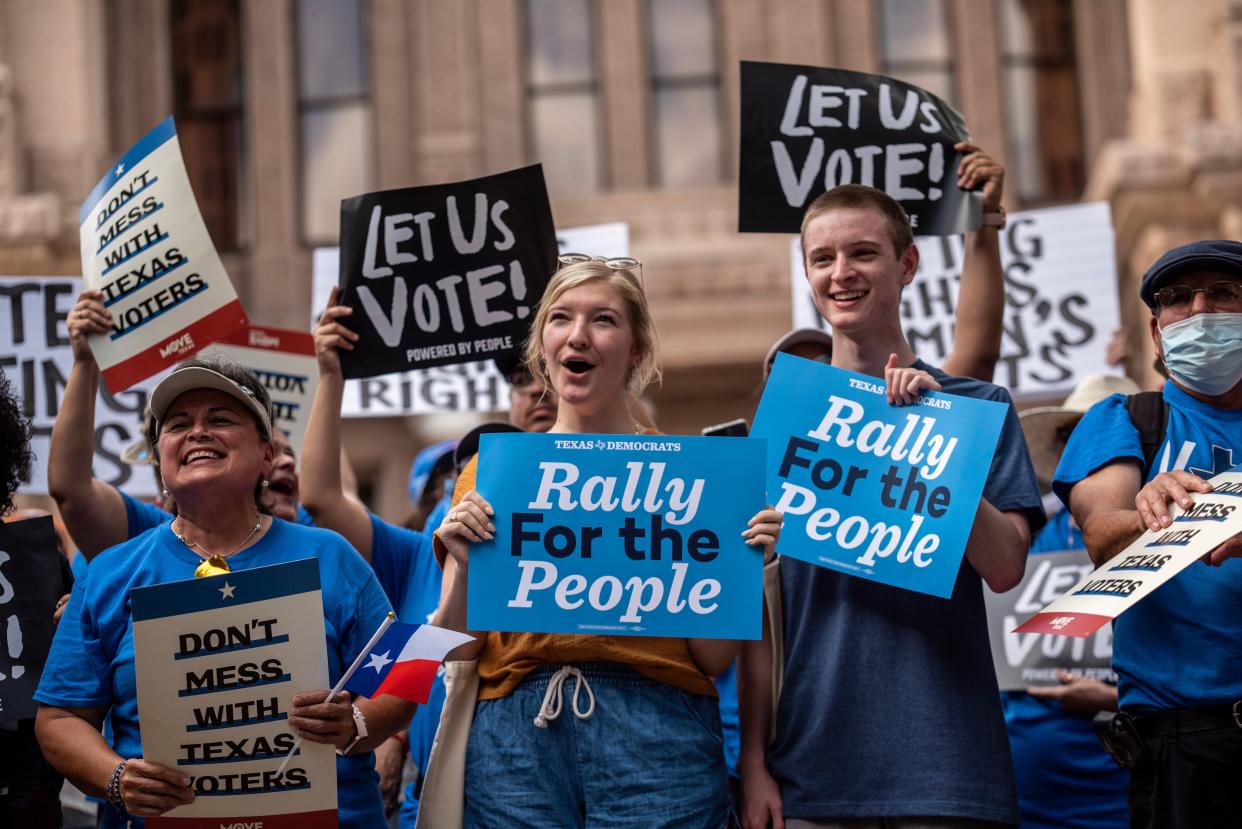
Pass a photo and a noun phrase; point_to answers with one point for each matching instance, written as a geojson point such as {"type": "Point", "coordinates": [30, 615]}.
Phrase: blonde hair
{"type": "Point", "coordinates": [646, 370]}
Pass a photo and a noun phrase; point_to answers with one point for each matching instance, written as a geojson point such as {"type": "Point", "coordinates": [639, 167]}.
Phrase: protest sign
{"type": "Point", "coordinates": [36, 357]}
{"type": "Point", "coordinates": [1061, 303]}
{"type": "Point", "coordinates": [217, 663]}
{"type": "Point", "coordinates": [636, 535]}
{"type": "Point", "coordinates": [1155, 557]}
{"type": "Point", "coordinates": [444, 274]}
{"type": "Point", "coordinates": [466, 387]}
{"type": "Point", "coordinates": [285, 362]}
{"type": "Point", "coordinates": [145, 246]}
{"type": "Point", "coordinates": [887, 493]}
{"type": "Point", "coordinates": [1026, 659]}
{"type": "Point", "coordinates": [806, 130]}
{"type": "Point", "coordinates": [33, 575]}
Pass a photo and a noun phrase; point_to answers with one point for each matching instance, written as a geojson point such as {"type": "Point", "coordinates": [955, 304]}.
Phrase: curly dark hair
{"type": "Point", "coordinates": [15, 455]}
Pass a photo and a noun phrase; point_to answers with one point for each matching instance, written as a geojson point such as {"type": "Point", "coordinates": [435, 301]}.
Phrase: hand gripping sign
{"type": "Point", "coordinates": [619, 534]}
{"type": "Point", "coordinates": [887, 493]}
{"type": "Point", "coordinates": [1153, 559]}
{"type": "Point", "coordinates": [145, 246]}
{"type": "Point", "coordinates": [217, 662]}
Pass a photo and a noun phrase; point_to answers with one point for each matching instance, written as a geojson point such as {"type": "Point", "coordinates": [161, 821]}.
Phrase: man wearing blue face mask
{"type": "Point", "coordinates": [1177, 653]}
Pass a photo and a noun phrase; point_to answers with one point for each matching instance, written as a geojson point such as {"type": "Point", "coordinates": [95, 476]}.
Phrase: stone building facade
{"type": "Point", "coordinates": [284, 106]}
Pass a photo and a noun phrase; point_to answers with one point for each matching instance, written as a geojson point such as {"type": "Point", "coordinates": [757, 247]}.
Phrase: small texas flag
{"type": "Point", "coordinates": [403, 661]}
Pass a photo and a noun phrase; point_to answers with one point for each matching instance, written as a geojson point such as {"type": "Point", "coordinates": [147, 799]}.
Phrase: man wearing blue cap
{"type": "Point", "coordinates": [1177, 653]}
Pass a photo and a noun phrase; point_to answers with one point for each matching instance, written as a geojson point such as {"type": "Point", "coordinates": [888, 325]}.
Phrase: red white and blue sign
{"type": "Point", "coordinates": [217, 662]}
{"type": "Point", "coordinates": [146, 248]}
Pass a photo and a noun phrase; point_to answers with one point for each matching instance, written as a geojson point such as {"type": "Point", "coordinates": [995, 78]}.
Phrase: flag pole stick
{"type": "Point", "coordinates": [384, 625]}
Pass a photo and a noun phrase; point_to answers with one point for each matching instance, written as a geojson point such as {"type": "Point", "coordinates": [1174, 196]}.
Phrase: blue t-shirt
{"type": "Point", "coordinates": [141, 516]}
{"type": "Point", "coordinates": [1065, 779]}
{"type": "Point", "coordinates": [405, 565]}
{"type": "Point", "coordinates": [1178, 647]}
{"type": "Point", "coordinates": [91, 663]}
{"type": "Point", "coordinates": [889, 706]}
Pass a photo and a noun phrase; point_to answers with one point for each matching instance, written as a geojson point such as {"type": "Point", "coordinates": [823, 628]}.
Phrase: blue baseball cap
{"type": "Point", "coordinates": [1212, 254]}
{"type": "Point", "coordinates": [425, 463]}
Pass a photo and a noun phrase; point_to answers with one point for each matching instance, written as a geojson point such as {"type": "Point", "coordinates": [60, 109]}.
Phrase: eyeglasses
{"type": "Point", "coordinates": [1223, 294]}
{"type": "Point", "coordinates": [617, 263]}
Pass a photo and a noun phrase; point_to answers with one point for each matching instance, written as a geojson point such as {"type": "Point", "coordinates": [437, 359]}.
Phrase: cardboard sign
{"type": "Point", "coordinates": [466, 387]}
{"type": "Point", "coordinates": [145, 246]}
{"type": "Point", "coordinates": [1026, 659]}
{"type": "Point", "coordinates": [285, 363]}
{"type": "Point", "coordinates": [633, 535]}
{"type": "Point", "coordinates": [32, 577]}
{"type": "Point", "coordinates": [886, 493]}
{"type": "Point", "coordinates": [1061, 303]}
{"type": "Point", "coordinates": [36, 357]}
{"type": "Point", "coordinates": [218, 661]}
{"type": "Point", "coordinates": [806, 130]}
{"type": "Point", "coordinates": [1153, 559]}
{"type": "Point", "coordinates": [448, 273]}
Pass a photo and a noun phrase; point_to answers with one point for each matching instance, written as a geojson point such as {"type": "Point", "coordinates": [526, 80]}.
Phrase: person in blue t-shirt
{"type": "Point", "coordinates": [212, 433]}
{"type": "Point", "coordinates": [1065, 778]}
{"type": "Point", "coordinates": [1176, 652]}
{"type": "Point", "coordinates": [96, 514]}
{"type": "Point", "coordinates": [889, 712]}
{"type": "Point", "coordinates": [403, 560]}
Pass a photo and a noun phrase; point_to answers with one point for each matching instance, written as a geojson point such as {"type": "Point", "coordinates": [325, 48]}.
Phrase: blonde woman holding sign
{"type": "Point", "coordinates": [643, 745]}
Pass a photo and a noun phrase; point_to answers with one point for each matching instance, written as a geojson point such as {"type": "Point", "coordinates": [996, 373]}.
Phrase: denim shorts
{"type": "Point", "coordinates": [649, 755]}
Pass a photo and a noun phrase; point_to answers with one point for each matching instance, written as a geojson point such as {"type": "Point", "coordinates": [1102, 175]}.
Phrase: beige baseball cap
{"type": "Point", "coordinates": [189, 378]}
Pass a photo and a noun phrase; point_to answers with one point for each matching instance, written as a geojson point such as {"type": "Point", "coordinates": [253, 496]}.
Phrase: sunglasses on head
{"type": "Point", "coordinates": [1226, 293]}
{"type": "Point", "coordinates": [617, 263]}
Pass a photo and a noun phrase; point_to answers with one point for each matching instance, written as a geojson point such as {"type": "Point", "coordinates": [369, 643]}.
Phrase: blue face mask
{"type": "Point", "coordinates": [1204, 352]}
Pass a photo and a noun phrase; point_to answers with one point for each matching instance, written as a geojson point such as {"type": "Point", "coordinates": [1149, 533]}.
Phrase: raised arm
{"type": "Point", "coordinates": [93, 511]}
{"type": "Point", "coordinates": [981, 298]}
{"type": "Point", "coordinates": [320, 482]}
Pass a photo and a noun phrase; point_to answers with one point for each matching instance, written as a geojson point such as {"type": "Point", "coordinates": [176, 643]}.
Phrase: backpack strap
{"type": "Point", "coordinates": [1150, 415]}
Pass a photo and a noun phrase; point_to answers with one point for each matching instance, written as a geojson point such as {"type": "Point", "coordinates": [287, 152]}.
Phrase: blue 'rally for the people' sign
{"type": "Point", "coordinates": [885, 492]}
{"type": "Point", "coordinates": [619, 534]}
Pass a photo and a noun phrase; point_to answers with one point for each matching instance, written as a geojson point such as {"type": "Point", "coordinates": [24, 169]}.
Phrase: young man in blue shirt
{"type": "Point", "coordinates": [889, 714]}
{"type": "Point", "coordinates": [1177, 653]}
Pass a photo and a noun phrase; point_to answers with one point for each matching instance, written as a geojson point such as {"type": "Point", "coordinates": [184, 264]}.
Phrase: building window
{"type": "Point", "coordinates": [334, 112]}
{"type": "Point", "coordinates": [1041, 99]}
{"type": "Point", "coordinates": [686, 93]}
{"type": "Point", "coordinates": [208, 108]}
{"type": "Point", "coordinates": [916, 45]}
{"type": "Point", "coordinates": [563, 94]}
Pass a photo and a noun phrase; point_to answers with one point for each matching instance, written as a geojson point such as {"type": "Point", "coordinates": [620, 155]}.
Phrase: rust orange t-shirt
{"type": "Point", "coordinates": [507, 658]}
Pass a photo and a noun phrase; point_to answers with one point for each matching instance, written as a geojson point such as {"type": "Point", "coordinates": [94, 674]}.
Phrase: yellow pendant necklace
{"type": "Point", "coordinates": [213, 565]}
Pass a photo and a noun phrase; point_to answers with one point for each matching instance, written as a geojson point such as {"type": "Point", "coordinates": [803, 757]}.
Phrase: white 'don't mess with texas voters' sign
{"type": "Point", "coordinates": [1153, 559]}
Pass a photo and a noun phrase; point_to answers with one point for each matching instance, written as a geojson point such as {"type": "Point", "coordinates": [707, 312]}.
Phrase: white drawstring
{"type": "Point", "coordinates": [551, 708]}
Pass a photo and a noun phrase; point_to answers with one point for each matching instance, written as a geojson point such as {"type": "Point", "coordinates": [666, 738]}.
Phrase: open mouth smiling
{"type": "Point", "coordinates": [847, 296]}
{"type": "Point", "coordinates": [281, 486]}
{"type": "Point", "coordinates": [578, 366]}
{"type": "Point", "coordinates": [201, 455]}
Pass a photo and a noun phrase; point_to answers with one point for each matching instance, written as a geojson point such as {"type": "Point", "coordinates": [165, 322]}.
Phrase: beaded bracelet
{"type": "Point", "coordinates": [113, 792]}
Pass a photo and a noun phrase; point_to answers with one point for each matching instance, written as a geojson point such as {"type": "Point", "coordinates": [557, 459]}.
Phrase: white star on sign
{"type": "Point", "coordinates": [120, 168]}
{"type": "Point", "coordinates": [226, 592]}
{"type": "Point", "coordinates": [378, 661]}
